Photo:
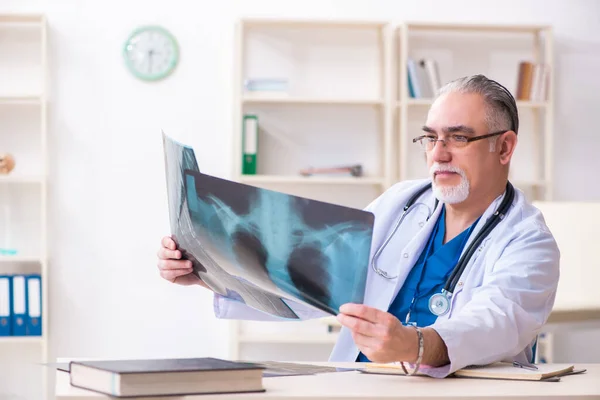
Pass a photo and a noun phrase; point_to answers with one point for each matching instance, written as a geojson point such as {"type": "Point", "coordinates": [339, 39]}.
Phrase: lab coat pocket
{"type": "Point", "coordinates": [457, 292]}
{"type": "Point", "coordinates": [472, 274]}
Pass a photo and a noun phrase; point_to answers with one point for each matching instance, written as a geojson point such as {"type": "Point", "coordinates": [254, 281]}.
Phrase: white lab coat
{"type": "Point", "coordinates": [501, 302]}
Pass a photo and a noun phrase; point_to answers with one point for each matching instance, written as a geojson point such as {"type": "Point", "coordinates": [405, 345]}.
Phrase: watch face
{"type": "Point", "coordinates": [151, 53]}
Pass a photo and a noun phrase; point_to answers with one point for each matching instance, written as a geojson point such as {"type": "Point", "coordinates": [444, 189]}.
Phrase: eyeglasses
{"type": "Point", "coordinates": [453, 141]}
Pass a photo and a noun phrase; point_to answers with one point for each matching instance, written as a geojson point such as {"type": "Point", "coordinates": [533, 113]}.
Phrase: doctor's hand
{"type": "Point", "coordinates": [379, 335]}
{"type": "Point", "coordinates": [173, 268]}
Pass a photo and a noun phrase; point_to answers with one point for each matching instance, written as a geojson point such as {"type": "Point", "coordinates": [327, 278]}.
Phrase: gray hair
{"type": "Point", "coordinates": [501, 107]}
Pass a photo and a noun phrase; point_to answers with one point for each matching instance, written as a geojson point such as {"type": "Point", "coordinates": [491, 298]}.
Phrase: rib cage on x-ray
{"type": "Point", "coordinates": [263, 247]}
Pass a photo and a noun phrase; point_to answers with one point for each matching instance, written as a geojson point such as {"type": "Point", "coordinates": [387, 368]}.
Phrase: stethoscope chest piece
{"type": "Point", "coordinates": [439, 304]}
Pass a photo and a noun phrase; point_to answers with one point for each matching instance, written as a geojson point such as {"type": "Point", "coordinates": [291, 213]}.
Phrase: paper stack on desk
{"type": "Point", "coordinates": [503, 370]}
{"type": "Point", "coordinates": [500, 370]}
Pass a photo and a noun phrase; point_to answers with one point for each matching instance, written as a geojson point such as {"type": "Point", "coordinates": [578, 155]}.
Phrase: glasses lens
{"type": "Point", "coordinates": [428, 143]}
{"type": "Point", "coordinates": [457, 141]}
{"type": "Point", "coordinates": [423, 143]}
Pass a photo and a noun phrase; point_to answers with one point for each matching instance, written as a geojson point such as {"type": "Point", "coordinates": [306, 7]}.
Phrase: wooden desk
{"type": "Point", "coordinates": [355, 385]}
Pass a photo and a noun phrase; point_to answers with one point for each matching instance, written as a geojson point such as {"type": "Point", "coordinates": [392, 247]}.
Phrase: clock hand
{"type": "Point", "coordinates": [150, 53]}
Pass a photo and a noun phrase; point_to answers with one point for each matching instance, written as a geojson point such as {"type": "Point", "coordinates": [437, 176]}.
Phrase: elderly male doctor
{"type": "Point", "coordinates": [506, 291]}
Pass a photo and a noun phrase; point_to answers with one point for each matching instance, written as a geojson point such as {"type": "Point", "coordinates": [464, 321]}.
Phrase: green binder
{"type": "Point", "coordinates": [249, 144]}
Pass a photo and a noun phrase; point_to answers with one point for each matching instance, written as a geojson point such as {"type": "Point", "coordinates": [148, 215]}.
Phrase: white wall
{"type": "Point", "coordinates": [107, 197]}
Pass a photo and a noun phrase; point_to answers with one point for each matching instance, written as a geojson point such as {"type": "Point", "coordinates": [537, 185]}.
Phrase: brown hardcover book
{"type": "Point", "coordinates": [166, 377]}
{"type": "Point", "coordinates": [525, 80]}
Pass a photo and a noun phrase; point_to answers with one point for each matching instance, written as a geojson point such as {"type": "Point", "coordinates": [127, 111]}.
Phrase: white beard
{"type": "Point", "coordinates": [450, 194]}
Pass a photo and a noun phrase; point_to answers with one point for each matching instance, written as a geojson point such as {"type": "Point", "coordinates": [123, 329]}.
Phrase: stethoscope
{"type": "Point", "coordinates": [439, 303]}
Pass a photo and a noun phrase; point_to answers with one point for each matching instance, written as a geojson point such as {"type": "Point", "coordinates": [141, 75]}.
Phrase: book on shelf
{"type": "Point", "coordinates": [268, 85]}
{"type": "Point", "coordinates": [166, 377]}
{"type": "Point", "coordinates": [532, 82]}
{"type": "Point", "coordinates": [423, 78]}
{"type": "Point", "coordinates": [265, 88]}
{"type": "Point", "coordinates": [265, 248]}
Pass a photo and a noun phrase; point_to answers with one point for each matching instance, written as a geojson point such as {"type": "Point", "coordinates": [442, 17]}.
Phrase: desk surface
{"type": "Point", "coordinates": [356, 385]}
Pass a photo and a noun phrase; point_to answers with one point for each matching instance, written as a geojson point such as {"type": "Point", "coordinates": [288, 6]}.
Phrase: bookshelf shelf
{"type": "Point", "coordinates": [418, 102]}
{"type": "Point", "coordinates": [531, 104]}
{"type": "Point", "coordinates": [325, 338]}
{"type": "Point", "coordinates": [17, 179]}
{"type": "Point", "coordinates": [537, 183]}
{"type": "Point", "coordinates": [21, 259]}
{"type": "Point", "coordinates": [316, 180]}
{"type": "Point", "coordinates": [12, 340]}
{"type": "Point", "coordinates": [310, 101]}
{"type": "Point", "coordinates": [429, 102]}
{"type": "Point", "coordinates": [474, 28]}
{"type": "Point", "coordinates": [535, 188]}
{"type": "Point", "coordinates": [20, 100]}
{"type": "Point", "coordinates": [312, 24]}
{"type": "Point", "coordinates": [29, 19]}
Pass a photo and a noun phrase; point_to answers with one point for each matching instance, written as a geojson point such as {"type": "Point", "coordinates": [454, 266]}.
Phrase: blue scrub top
{"type": "Point", "coordinates": [427, 277]}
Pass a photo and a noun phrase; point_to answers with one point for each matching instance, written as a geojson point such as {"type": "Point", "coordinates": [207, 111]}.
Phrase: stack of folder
{"type": "Point", "coordinates": [21, 305]}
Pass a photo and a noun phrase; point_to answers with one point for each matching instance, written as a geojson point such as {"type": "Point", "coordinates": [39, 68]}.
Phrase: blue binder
{"type": "Point", "coordinates": [19, 305]}
{"type": "Point", "coordinates": [5, 305]}
{"type": "Point", "coordinates": [33, 321]}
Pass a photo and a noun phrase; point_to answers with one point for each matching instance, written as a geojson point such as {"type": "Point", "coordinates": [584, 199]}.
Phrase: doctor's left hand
{"type": "Point", "coordinates": [379, 335]}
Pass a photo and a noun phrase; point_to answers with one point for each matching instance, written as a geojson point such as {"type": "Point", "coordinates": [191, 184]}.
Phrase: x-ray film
{"type": "Point", "coordinates": [264, 247]}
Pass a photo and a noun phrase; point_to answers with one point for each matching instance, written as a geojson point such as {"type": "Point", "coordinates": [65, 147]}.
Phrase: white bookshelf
{"type": "Point", "coordinates": [495, 51]}
{"type": "Point", "coordinates": [23, 133]}
{"type": "Point", "coordinates": [337, 110]}
{"type": "Point", "coordinates": [350, 77]}
{"type": "Point", "coordinates": [312, 56]}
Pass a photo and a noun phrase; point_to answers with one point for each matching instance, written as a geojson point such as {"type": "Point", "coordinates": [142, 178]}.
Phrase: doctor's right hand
{"type": "Point", "coordinates": [173, 268]}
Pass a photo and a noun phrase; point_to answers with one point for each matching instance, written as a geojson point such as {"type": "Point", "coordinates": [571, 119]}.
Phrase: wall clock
{"type": "Point", "coordinates": [151, 53]}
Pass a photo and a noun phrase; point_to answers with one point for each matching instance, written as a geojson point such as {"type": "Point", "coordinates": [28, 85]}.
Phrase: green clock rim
{"type": "Point", "coordinates": [173, 63]}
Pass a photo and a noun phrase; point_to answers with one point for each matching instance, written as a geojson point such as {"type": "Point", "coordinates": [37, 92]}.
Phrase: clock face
{"type": "Point", "coordinates": [151, 53]}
